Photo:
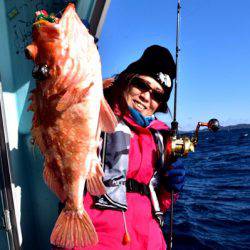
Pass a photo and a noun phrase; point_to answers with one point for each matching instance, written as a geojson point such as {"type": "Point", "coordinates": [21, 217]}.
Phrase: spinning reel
{"type": "Point", "coordinates": [181, 146]}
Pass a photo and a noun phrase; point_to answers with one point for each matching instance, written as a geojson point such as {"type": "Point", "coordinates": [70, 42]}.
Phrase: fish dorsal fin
{"type": "Point", "coordinates": [107, 119]}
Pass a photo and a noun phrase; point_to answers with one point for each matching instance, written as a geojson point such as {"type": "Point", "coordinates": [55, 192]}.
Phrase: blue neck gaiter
{"type": "Point", "coordinates": [141, 120]}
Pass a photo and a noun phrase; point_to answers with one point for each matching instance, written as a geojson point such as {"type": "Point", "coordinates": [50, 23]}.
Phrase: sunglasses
{"type": "Point", "coordinates": [145, 87]}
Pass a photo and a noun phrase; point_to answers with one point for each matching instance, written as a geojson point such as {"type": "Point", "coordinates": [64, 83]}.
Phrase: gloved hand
{"type": "Point", "coordinates": [174, 176]}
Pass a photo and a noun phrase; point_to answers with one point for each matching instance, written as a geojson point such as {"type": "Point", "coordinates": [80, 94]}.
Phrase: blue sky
{"type": "Point", "coordinates": [214, 79]}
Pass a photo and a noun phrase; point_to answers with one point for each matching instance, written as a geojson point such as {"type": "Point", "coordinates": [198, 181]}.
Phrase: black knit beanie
{"type": "Point", "coordinates": [158, 63]}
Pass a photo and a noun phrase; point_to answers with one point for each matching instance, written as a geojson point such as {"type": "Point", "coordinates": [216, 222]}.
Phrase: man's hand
{"type": "Point", "coordinates": [174, 176]}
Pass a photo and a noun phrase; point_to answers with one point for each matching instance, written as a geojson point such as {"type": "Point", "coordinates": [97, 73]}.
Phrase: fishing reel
{"type": "Point", "coordinates": [181, 146]}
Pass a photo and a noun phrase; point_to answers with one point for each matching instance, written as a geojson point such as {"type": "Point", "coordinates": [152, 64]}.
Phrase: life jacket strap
{"type": "Point", "coordinates": [134, 186]}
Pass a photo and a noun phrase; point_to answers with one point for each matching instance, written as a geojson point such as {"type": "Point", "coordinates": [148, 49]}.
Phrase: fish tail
{"type": "Point", "coordinates": [95, 185]}
{"type": "Point", "coordinates": [73, 229]}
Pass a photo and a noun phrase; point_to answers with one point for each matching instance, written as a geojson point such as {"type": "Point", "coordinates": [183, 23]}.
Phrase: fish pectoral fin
{"type": "Point", "coordinates": [107, 118]}
{"type": "Point", "coordinates": [95, 185]}
{"type": "Point", "coordinates": [73, 229]}
{"type": "Point", "coordinates": [51, 179]}
{"type": "Point", "coordinates": [108, 82]}
{"type": "Point", "coordinates": [72, 96]}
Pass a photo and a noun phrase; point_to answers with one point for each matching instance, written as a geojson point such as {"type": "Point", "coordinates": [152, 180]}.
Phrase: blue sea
{"type": "Point", "coordinates": [213, 211]}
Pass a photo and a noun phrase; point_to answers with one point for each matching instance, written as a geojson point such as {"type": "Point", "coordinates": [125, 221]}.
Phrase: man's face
{"type": "Point", "coordinates": [144, 94]}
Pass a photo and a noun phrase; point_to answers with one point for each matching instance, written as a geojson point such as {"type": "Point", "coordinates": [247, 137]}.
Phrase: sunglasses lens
{"type": "Point", "coordinates": [157, 96]}
{"type": "Point", "coordinates": [143, 86]}
{"type": "Point", "coordinates": [140, 85]}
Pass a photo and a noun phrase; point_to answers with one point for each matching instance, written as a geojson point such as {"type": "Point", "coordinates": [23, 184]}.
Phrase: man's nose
{"type": "Point", "coordinates": [145, 96]}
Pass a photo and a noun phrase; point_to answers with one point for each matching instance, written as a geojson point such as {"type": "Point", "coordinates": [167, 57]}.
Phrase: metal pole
{"type": "Point", "coordinates": [6, 180]}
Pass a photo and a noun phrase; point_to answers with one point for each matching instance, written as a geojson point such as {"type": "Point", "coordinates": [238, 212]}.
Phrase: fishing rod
{"type": "Point", "coordinates": [182, 145]}
{"type": "Point", "coordinates": [174, 124]}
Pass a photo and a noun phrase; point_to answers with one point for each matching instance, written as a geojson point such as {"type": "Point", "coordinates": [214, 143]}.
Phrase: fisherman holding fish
{"type": "Point", "coordinates": [128, 188]}
{"type": "Point", "coordinates": [138, 174]}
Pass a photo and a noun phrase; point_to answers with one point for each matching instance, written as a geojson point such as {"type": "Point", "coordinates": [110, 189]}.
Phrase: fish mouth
{"type": "Point", "coordinates": [41, 72]}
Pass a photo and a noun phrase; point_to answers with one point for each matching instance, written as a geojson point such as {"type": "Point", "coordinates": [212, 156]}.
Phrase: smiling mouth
{"type": "Point", "coordinates": [139, 105]}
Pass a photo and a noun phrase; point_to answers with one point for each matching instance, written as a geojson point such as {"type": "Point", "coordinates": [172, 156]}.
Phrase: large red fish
{"type": "Point", "coordinates": [69, 113]}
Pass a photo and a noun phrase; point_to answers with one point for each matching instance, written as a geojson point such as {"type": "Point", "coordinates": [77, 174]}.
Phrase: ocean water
{"type": "Point", "coordinates": [213, 211]}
